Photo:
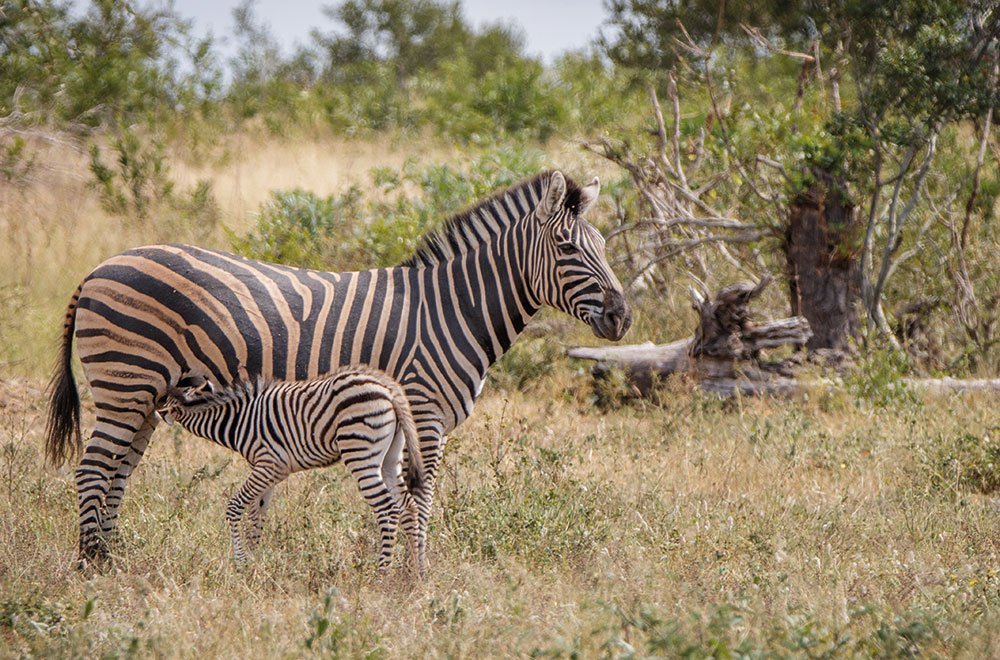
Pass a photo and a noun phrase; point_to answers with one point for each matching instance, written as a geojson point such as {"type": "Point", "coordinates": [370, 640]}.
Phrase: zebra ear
{"type": "Point", "coordinates": [166, 416]}
{"type": "Point", "coordinates": [588, 195]}
{"type": "Point", "coordinates": [552, 198]}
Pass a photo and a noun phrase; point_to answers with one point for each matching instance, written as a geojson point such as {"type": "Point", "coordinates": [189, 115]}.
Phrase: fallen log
{"type": "Point", "coordinates": [941, 385]}
{"type": "Point", "coordinates": [724, 354]}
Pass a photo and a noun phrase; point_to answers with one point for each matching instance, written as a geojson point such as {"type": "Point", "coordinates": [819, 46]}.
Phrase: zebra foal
{"type": "Point", "coordinates": [357, 413]}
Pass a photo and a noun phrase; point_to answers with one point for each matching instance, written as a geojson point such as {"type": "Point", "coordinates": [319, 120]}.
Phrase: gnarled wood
{"type": "Point", "coordinates": [722, 356]}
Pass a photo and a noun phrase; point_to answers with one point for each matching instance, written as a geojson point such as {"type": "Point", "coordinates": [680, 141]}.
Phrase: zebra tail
{"type": "Point", "coordinates": [415, 473]}
{"type": "Point", "coordinates": [62, 430]}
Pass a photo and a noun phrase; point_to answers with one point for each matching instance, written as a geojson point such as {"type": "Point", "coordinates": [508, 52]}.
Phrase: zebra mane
{"type": "Point", "coordinates": [474, 226]}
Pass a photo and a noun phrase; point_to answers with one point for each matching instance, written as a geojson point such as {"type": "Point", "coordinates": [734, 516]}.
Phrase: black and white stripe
{"type": "Point", "coordinates": [357, 414]}
{"type": "Point", "coordinates": [150, 318]}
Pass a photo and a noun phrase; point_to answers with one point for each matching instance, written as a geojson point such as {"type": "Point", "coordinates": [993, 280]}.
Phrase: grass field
{"type": "Point", "coordinates": [815, 527]}
{"type": "Point", "coordinates": [812, 528]}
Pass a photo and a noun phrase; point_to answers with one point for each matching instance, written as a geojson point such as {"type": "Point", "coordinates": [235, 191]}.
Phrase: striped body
{"type": "Point", "coordinates": [153, 317]}
{"type": "Point", "coordinates": [357, 414]}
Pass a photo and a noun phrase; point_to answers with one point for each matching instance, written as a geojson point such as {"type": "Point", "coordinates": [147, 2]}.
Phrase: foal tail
{"type": "Point", "coordinates": [63, 425]}
{"type": "Point", "coordinates": [416, 472]}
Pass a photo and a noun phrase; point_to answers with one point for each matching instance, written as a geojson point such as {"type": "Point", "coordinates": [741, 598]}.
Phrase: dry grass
{"type": "Point", "coordinates": [247, 167]}
{"type": "Point", "coordinates": [559, 529]}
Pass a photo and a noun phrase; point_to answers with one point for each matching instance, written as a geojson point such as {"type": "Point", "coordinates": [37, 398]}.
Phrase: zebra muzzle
{"type": "Point", "coordinates": [615, 318]}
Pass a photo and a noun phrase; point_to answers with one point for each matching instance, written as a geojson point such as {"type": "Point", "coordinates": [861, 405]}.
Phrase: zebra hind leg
{"type": "Point", "coordinates": [262, 478]}
{"type": "Point", "coordinates": [108, 445]}
{"type": "Point", "coordinates": [114, 497]}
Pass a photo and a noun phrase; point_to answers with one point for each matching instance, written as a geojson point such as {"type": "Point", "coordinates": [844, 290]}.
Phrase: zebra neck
{"type": "Point", "coordinates": [493, 294]}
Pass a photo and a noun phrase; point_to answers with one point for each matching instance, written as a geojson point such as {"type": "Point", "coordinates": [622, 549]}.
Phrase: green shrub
{"type": "Point", "coordinates": [343, 636]}
{"type": "Point", "coordinates": [525, 363]}
{"type": "Point", "coordinates": [878, 381]}
{"type": "Point", "coordinates": [525, 505]}
{"type": "Point", "coordinates": [729, 630]}
{"type": "Point", "coordinates": [965, 462]}
{"type": "Point", "coordinates": [138, 186]}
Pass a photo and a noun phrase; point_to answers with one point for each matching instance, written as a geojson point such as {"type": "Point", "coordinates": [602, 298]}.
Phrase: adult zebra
{"type": "Point", "coordinates": [158, 316]}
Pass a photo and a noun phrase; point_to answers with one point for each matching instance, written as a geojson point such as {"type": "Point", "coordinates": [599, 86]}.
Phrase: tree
{"type": "Point", "coordinates": [407, 37]}
{"type": "Point", "coordinates": [913, 69]}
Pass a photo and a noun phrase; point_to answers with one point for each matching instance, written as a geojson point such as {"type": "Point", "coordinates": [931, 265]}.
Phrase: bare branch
{"type": "Point", "coordinates": [672, 93]}
{"type": "Point", "coordinates": [764, 43]}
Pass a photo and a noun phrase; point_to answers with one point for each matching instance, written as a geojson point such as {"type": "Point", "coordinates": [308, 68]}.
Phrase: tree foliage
{"type": "Point", "coordinates": [866, 93]}
{"type": "Point", "coordinates": [112, 63]}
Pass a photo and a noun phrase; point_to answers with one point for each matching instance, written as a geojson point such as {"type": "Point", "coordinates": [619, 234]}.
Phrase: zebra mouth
{"type": "Point", "coordinates": [609, 327]}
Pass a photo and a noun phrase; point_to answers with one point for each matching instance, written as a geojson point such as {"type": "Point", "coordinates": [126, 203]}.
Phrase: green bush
{"type": "Point", "coordinates": [525, 505]}
{"type": "Point", "coordinates": [878, 381]}
{"type": "Point", "coordinates": [966, 462]}
{"type": "Point", "coordinates": [519, 99]}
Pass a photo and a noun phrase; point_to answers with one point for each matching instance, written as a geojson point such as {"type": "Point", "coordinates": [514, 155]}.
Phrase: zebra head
{"type": "Point", "coordinates": [571, 271]}
{"type": "Point", "coordinates": [177, 398]}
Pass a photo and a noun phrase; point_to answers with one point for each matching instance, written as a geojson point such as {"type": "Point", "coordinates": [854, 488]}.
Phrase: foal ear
{"type": "Point", "coordinates": [588, 195]}
{"type": "Point", "coordinates": [552, 198]}
{"type": "Point", "coordinates": [167, 416]}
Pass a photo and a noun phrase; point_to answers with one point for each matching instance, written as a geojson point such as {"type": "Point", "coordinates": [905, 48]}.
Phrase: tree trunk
{"type": "Point", "coordinates": [821, 263]}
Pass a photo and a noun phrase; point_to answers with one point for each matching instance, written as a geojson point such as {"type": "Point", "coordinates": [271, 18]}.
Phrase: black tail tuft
{"type": "Point", "coordinates": [62, 432]}
{"type": "Point", "coordinates": [414, 478]}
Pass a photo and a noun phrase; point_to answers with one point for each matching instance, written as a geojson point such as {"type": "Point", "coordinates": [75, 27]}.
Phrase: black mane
{"type": "Point", "coordinates": [473, 227]}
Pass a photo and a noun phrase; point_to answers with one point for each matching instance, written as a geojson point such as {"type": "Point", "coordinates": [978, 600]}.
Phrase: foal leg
{"type": "Point", "coordinates": [365, 460]}
{"type": "Point", "coordinates": [262, 478]}
{"type": "Point", "coordinates": [256, 514]}
{"type": "Point", "coordinates": [404, 501]}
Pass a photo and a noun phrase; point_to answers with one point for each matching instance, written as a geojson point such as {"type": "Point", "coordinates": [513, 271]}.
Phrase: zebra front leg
{"type": "Point", "coordinates": [256, 514]}
{"type": "Point", "coordinates": [410, 526]}
{"type": "Point", "coordinates": [413, 522]}
{"type": "Point", "coordinates": [418, 515]}
{"type": "Point", "coordinates": [262, 478]}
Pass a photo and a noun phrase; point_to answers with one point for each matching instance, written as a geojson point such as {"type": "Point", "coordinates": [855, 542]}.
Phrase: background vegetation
{"type": "Point", "coordinates": [570, 524]}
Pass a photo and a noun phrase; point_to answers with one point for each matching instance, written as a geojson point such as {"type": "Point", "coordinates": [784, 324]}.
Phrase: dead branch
{"type": "Point", "coordinates": [766, 44]}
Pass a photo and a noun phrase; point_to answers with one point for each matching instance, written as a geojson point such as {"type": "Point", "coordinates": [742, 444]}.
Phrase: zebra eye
{"type": "Point", "coordinates": [568, 248]}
